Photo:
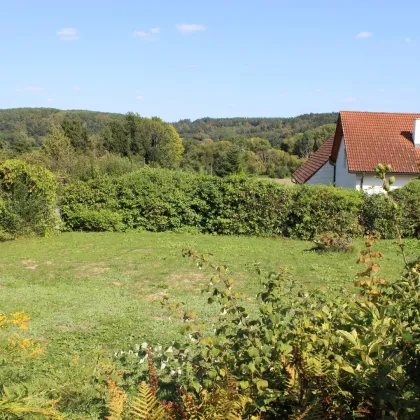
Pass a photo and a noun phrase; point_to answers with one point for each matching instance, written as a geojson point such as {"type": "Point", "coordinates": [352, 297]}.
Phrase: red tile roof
{"type": "Point", "coordinates": [314, 163]}
{"type": "Point", "coordinates": [377, 137]}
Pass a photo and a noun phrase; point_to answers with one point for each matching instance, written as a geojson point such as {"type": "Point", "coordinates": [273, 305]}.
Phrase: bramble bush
{"type": "Point", "coordinates": [27, 199]}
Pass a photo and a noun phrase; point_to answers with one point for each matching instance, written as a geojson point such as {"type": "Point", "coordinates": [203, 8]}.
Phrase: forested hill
{"type": "Point", "coordinates": [273, 129]}
{"type": "Point", "coordinates": [38, 121]}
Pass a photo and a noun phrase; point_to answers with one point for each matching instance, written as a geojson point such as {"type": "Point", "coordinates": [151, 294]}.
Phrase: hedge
{"type": "Point", "coordinates": [160, 200]}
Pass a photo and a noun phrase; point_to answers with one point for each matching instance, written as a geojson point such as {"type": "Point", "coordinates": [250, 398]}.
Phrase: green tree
{"type": "Point", "coordinates": [58, 148]}
{"type": "Point", "coordinates": [22, 142]}
{"type": "Point", "coordinates": [75, 129]}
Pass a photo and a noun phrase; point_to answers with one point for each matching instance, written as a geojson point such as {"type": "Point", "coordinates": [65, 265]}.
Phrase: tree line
{"type": "Point", "coordinates": [85, 144]}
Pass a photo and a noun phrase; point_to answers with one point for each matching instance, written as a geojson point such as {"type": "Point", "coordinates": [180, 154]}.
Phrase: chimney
{"type": "Point", "coordinates": [416, 133]}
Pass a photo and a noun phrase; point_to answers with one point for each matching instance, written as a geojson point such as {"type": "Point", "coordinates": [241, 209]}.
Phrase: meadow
{"type": "Point", "coordinates": [91, 294]}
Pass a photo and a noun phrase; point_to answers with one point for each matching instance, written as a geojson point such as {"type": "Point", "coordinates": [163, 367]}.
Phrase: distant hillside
{"type": "Point", "coordinates": [275, 130]}
{"type": "Point", "coordinates": [37, 122]}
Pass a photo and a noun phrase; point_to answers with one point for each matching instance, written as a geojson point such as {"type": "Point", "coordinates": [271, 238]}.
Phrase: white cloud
{"type": "Point", "coordinates": [150, 35]}
{"type": "Point", "coordinates": [50, 100]}
{"type": "Point", "coordinates": [364, 34]}
{"type": "Point", "coordinates": [139, 97]}
{"type": "Point", "coordinates": [408, 40]}
{"type": "Point", "coordinates": [349, 100]}
{"type": "Point", "coordinates": [33, 89]}
{"type": "Point", "coordinates": [76, 89]}
{"type": "Point", "coordinates": [68, 34]}
{"type": "Point", "coordinates": [188, 28]}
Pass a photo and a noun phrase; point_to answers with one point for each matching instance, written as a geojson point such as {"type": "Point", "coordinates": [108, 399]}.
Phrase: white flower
{"type": "Point", "coordinates": [144, 345]}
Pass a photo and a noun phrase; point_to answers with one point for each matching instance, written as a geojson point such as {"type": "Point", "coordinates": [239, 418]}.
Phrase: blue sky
{"type": "Point", "coordinates": [220, 58]}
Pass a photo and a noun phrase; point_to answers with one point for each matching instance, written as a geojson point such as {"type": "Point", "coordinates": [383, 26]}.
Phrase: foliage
{"type": "Point", "coordinates": [164, 200]}
{"type": "Point", "coordinates": [321, 209]}
{"type": "Point", "coordinates": [305, 354]}
{"type": "Point", "coordinates": [27, 199]}
{"type": "Point", "coordinates": [275, 130]}
{"type": "Point", "coordinates": [333, 242]}
{"type": "Point", "coordinates": [253, 156]}
{"type": "Point", "coordinates": [16, 349]}
{"type": "Point", "coordinates": [222, 402]}
{"type": "Point", "coordinates": [408, 199]}
{"type": "Point", "coordinates": [94, 220]}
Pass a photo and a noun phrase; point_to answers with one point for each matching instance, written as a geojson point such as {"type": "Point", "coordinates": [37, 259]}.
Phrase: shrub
{"type": "Point", "coordinates": [27, 199]}
{"type": "Point", "coordinates": [408, 198]}
{"type": "Point", "coordinates": [377, 215]}
{"type": "Point", "coordinates": [304, 354]}
{"type": "Point", "coordinates": [160, 200]}
{"type": "Point", "coordinates": [319, 209]}
{"type": "Point", "coordinates": [333, 242]}
{"type": "Point", "coordinates": [94, 220]}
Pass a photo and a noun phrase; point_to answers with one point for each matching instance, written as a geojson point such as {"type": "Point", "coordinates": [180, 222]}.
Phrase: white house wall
{"type": "Point", "coordinates": [373, 185]}
{"type": "Point", "coordinates": [324, 175]}
{"type": "Point", "coordinates": [342, 177]}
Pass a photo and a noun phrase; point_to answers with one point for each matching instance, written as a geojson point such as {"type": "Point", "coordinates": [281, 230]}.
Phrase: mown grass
{"type": "Point", "coordinates": [91, 294]}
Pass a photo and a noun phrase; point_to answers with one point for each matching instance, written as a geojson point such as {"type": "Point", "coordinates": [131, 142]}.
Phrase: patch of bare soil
{"type": "Point", "coordinates": [92, 270]}
{"type": "Point", "coordinates": [73, 328]}
{"type": "Point", "coordinates": [30, 264]}
{"type": "Point", "coordinates": [156, 296]}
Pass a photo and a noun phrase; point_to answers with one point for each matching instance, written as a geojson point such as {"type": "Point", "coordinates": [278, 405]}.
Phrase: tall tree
{"type": "Point", "coordinates": [75, 129]}
{"type": "Point", "coordinates": [57, 146]}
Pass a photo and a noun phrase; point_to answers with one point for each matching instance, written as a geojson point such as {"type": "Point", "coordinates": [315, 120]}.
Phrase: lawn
{"type": "Point", "coordinates": [91, 294]}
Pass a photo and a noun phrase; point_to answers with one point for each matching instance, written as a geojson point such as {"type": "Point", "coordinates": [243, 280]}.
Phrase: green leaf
{"type": "Point", "coordinates": [244, 384]}
{"type": "Point", "coordinates": [253, 352]}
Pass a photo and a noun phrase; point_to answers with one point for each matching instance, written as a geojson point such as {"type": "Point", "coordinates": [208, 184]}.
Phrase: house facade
{"type": "Point", "coordinates": [362, 140]}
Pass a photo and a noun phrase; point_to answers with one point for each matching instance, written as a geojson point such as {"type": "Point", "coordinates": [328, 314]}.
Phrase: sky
{"type": "Point", "coordinates": [211, 58]}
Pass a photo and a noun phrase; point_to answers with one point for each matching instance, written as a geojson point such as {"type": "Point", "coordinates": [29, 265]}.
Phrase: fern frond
{"type": "Point", "coordinates": [313, 412]}
{"type": "Point", "coordinates": [116, 401]}
{"type": "Point", "coordinates": [146, 406]}
{"type": "Point", "coordinates": [190, 407]}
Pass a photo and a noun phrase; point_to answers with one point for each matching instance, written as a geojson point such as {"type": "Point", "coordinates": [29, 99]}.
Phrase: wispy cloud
{"type": "Point", "coordinates": [68, 34]}
{"type": "Point", "coordinates": [32, 89]}
{"type": "Point", "coordinates": [150, 35]}
{"type": "Point", "coordinates": [76, 89]}
{"type": "Point", "coordinates": [139, 97]}
{"type": "Point", "coordinates": [364, 34]}
{"type": "Point", "coordinates": [408, 40]}
{"type": "Point", "coordinates": [189, 28]}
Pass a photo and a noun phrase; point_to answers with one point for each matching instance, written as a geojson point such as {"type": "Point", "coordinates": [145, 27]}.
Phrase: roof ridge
{"type": "Point", "coordinates": [382, 113]}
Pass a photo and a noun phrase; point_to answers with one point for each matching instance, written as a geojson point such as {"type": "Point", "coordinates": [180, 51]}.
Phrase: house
{"type": "Point", "coordinates": [361, 141]}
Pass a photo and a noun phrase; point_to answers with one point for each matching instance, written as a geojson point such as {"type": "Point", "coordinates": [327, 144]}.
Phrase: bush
{"type": "Point", "coordinates": [333, 242]}
{"type": "Point", "coordinates": [303, 354]}
{"type": "Point", "coordinates": [408, 198]}
{"type": "Point", "coordinates": [94, 220]}
{"type": "Point", "coordinates": [27, 199]}
{"type": "Point", "coordinates": [160, 200]}
{"type": "Point", "coordinates": [377, 215]}
{"type": "Point", "coordinates": [320, 209]}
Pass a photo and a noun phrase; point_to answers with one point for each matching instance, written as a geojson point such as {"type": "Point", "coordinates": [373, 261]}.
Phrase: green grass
{"type": "Point", "coordinates": [90, 293]}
